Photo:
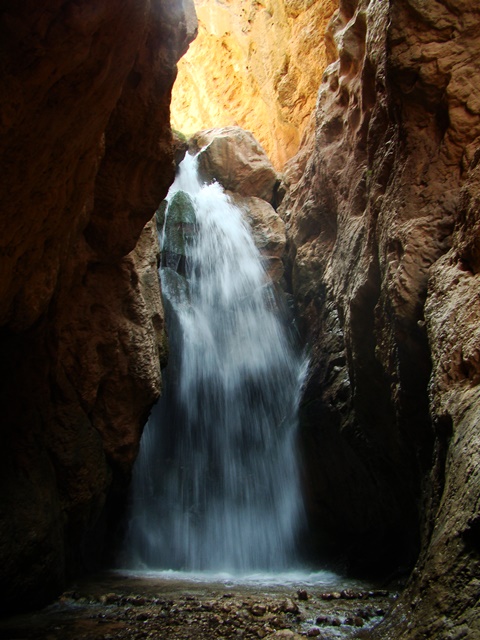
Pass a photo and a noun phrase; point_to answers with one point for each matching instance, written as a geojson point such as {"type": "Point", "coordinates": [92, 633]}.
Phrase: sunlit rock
{"type": "Point", "coordinates": [257, 65]}
{"type": "Point", "coordinates": [234, 158]}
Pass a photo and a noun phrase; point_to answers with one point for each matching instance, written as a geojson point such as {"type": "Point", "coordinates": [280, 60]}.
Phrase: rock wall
{"type": "Point", "coordinates": [382, 226]}
{"type": "Point", "coordinates": [256, 64]}
{"type": "Point", "coordinates": [87, 155]}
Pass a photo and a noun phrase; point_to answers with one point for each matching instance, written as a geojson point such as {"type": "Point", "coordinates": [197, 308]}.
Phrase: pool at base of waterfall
{"type": "Point", "coordinates": [172, 605]}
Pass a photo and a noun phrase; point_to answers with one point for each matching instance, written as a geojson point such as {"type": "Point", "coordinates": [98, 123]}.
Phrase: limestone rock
{"type": "Point", "coordinates": [86, 157]}
{"type": "Point", "coordinates": [448, 568]}
{"type": "Point", "coordinates": [234, 158]}
{"type": "Point", "coordinates": [257, 65]}
{"type": "Point", "coordinates": [180, 145]}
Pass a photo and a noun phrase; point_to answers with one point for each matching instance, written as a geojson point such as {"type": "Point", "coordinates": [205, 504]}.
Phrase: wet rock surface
{"type": "Point", "coordinates": [117, 607]}
{"type": "Point", "coordinates": [233, 157]}
{"type": "Point", "coordinates": [268, 230]}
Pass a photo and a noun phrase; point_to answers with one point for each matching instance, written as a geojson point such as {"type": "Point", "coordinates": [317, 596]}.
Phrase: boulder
{"type": "Point", "coordinates": [236, 160]}
{"type": "Point", "coordinates": [180, 146]}
{"type": "Point", "coordinates": [179, 228]}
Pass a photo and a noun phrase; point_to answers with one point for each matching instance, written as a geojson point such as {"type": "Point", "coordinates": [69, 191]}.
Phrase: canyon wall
{"type": "Point", "coordinates": [256, 64]}
{"type": "Point", "coordinates": [382, 225]}
{"type": "Point", "coordinates": [87, 155]}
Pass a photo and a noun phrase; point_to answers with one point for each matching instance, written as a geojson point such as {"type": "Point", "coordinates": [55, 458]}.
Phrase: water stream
{"type": "Point", "coordinates": [216, 485]}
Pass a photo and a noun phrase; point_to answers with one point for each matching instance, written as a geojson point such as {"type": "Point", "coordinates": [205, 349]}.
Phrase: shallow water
{"type": "Point", "coordinates": [283, 579]}
{"type": "Point", "coordinates": [172, 606]}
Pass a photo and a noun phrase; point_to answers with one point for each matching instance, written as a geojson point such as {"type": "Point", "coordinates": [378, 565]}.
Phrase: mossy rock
{"type": "Point", "coordinates": [175, 287]}
{"type": "Point", "coordinates": [181, 136]}
{"type": "Point", "coordinates": [180, 224]}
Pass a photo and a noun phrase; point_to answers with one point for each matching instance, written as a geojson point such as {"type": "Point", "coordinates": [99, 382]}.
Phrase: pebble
{"type": "Point", "coordinates": [289, 606]}
{"type": "Point", "coordinates": [302, 594]}
{"type": "Point", "coordinates": [258, 610]}
{"type": "Point", "coordinates": [354, 621]}
{"type": "Point", "coordinates": [142, 616]}
{"type": "Point", "coordinates": [332, 595]}
{"type": "Point", "coordinates": [313, 632]}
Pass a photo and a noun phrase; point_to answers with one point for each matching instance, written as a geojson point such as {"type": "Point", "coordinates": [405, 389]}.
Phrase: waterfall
{"type": "Point", "coordinates": [216, 484]}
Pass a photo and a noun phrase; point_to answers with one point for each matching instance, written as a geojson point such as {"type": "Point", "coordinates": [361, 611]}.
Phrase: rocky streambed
{"type": "Point", "coordinates": [118, 606]}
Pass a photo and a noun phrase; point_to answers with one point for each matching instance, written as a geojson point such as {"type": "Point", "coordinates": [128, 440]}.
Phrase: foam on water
{"type": "Point", "coordinates": [292, 579]}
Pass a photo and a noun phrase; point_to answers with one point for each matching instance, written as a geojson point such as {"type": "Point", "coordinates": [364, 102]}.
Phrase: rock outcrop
{"type": "Point", "coordinates": [235, 159]}
{"type": "Point", "coordinates": [256, 64]}
{"type": "Point", "coordinates": [87, 155]}
{"type": "Point", "coordinates": [382, 211]}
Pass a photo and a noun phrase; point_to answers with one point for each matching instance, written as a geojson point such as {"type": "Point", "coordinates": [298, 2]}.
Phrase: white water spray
{"type": "Point", "coordinates": [216, 484]}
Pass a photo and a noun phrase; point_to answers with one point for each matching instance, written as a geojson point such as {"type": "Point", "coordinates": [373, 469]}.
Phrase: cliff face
{"type": "Point", "coordinates": [256, 64]}
{"type": "Point", "coordinates": [86, 157]}
{"type": "Point", "coordinates": [382, 210]}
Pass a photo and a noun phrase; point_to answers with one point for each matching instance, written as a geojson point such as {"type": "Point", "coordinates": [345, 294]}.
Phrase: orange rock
{"type": "Point", "coordinates": [257, 65]}
{"type": "Point", "coordinates": [234, 158]}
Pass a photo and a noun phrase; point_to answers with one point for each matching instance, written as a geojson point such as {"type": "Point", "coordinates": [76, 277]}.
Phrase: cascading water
{"type": "Point", "coordinates": [216, 484]}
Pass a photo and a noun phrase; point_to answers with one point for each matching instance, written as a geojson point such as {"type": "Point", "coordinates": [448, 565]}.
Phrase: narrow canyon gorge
{"type": "Point", "coordinates": [348, 134]}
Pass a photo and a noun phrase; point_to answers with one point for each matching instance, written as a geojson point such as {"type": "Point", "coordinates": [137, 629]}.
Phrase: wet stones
{"type": "Point", "coordinates": [134, 614]}
{"type": "Point", "coordinates": [258, 610]}
{"type": "Point", "coordinates": [289, 606]}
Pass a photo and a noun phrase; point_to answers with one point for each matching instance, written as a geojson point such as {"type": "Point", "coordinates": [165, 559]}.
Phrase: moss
{"type": "Point", "coordinates": [181, 136]}
{"type": "Point", "coordinates": [180, 224]}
